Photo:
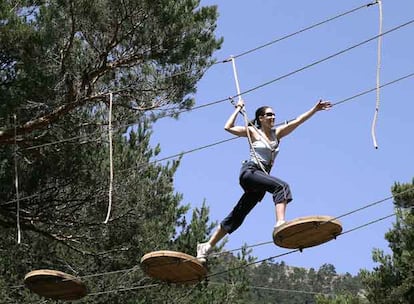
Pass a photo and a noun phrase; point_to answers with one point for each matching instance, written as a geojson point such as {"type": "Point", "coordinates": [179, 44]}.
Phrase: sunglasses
{"type": "Point", "coordinates": [269, 114]}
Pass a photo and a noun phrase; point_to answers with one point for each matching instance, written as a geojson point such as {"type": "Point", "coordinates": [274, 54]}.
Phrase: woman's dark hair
{"type": "Point", "coordinates": [259, 112]}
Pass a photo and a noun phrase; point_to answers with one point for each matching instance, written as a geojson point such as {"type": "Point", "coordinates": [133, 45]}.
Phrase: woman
{"type": "Point", "coordinates": [254, 175]}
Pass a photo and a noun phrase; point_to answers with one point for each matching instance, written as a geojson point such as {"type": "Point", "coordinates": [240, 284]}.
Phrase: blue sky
{"type": "Point", "coordinates": [329, 162]}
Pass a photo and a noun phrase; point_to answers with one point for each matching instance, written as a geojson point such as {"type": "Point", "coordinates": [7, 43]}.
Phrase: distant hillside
{"type": "Point", "coordinates": [275, 283]}
{"type": "Point", "coordinates": [280, 283]}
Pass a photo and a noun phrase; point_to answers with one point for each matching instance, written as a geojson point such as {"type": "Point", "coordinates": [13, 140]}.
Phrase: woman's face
{"type": "Point", "coordinates": [267, 119]}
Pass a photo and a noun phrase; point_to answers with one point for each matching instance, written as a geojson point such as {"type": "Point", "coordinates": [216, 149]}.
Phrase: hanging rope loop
{"type": "Point", "coordinates": [378, 84]}
{"type": "Point", "coordinates": [111, 167]}
{"type": "Point", "coordinates": [16, 183]}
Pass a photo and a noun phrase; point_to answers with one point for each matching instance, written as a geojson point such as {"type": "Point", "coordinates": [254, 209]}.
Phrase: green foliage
{"type": "Point", "coordinates": [227, 281]}
{"type": "Point", "coordinates": [58, 56]}
{"type": "Point", "coordinates": [403, 195]}
{"type": "Point", "coordinates": [279, 283]}
{"type": "Point", "coordinates": [196, 231]}
{"type": "Point", "coordinates": [341, 299]}
{"type": "Point", "coordinates": [392, 281]}
{"type": "Point", "coordinates": [58, 62]}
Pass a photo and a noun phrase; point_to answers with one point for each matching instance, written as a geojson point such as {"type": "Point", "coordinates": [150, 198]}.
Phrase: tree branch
{"type": "Point", "coordinates": [7, 136]}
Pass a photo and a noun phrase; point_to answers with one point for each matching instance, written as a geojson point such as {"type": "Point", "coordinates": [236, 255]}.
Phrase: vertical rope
{"type": "Point", "coordinates": [111, 169]}
{"type": "Point", "coordinates": [246, 122]}
{"type": "Point", "coordinates": [236, 78]}
{"type": "Point", "coordinates": [16, 183]}
{"type": "Point", "coordinates": [377, 102]}
{"type": "Point", "coordinates": [246, 119]}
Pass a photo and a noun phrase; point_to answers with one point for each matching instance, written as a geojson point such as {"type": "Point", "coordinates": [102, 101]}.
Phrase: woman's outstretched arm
{"type": "Point", "coordinates": [292, 125]}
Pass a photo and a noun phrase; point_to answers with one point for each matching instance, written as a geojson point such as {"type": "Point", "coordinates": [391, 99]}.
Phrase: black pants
{"type": "Point", "coordinates": [255, 184]}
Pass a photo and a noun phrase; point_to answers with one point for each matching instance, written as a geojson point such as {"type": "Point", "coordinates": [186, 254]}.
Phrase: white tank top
{"type": "Point", "coordinates": [266, 151]}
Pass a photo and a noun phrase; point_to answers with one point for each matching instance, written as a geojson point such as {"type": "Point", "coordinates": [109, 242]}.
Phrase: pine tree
{"type": "Point", "coordinates": [60, 60]}
{"type": "Point", "coordinates": [392, 281]}
{"type": "Point", "coordinates": [340, 299]}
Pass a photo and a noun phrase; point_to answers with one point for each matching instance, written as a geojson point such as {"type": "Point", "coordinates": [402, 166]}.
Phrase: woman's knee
{"type": "Point", "coordinates": [282, 193]}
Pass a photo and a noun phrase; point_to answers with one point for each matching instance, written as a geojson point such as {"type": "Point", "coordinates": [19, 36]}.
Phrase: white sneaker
{"type": "Point", "coordinates": [279, 223]}
{"type": "Point", "coordinates": [203, 249]}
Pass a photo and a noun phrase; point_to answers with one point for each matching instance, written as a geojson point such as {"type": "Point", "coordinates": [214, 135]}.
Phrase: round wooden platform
{"type": "Point", "coordinates": [306, 232]}
{"type": "Point", "coordinates": [173, 267]}
{"type": "Point", "coordinates": [55, 285]}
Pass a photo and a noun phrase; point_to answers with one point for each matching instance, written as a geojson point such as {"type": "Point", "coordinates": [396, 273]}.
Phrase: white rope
{"type": "Point", "coordinates": [111, 169]}
{"type": "Point", "coordinates": [377, 104]}
{"type": "Point", "coordinates": [236, 78]}
{"type": "Point", "coordinates": [246, 122]}
{"type": "Point", "coordinates": [16, 183]}
{"type": "Point", "coordinates": [246, 119]}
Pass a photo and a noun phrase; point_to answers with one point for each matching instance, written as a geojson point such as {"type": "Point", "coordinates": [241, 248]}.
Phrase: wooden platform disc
{"type": "Point", "coordinates": [55, 285]}
{"type": "Point", "coordinates": [306, 232]}
{"type": "Point", "coordinates": [173, 267]}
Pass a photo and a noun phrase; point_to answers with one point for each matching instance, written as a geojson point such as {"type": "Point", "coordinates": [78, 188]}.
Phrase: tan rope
{"type": "Point", "coordinates": [246, 119]}
{"type": "Point", "coordinates": [16, 182]}
{"type": "Point", "coordinates": [111, 169]}
{"type": "Point", "coordinates": [377, 102]}
{"type": "Point", "coordinates": [246, 122]}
